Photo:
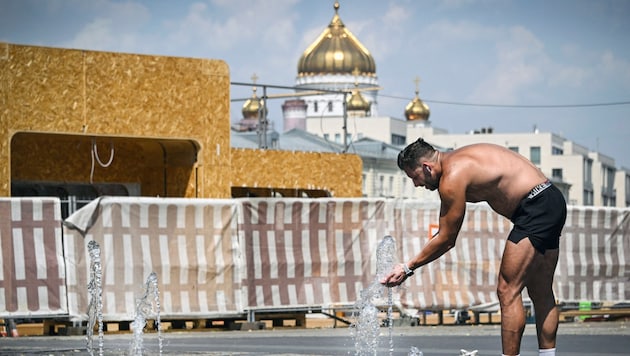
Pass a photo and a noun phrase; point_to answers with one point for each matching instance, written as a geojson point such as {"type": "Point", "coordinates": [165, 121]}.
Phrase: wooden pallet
{"type": "Point", "coordinates": [597, 312]}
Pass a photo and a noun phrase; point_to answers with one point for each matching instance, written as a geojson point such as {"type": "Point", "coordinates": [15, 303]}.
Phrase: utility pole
{"type": "Point", "coordinates": [262, 120]}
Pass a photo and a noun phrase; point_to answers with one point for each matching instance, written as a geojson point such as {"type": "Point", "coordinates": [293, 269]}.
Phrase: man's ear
{"type": "Point", "coordinates": [426, 168]}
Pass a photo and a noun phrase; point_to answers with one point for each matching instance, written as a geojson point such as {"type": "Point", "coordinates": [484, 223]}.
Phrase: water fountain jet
{"type": "Point", "coordinates": [95, 292]}
{"type": "Point", "coordinates": [144, 308]}
{"type": "Point", "coordinates": [367, 327]}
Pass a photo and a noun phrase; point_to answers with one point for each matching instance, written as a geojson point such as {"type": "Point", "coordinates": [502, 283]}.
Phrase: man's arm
{"type": "Point", "coordinates": [452, 211]}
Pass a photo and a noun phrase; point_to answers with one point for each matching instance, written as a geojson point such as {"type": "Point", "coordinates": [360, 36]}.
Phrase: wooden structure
{"type": "Point", "coordinates": [101, 122]}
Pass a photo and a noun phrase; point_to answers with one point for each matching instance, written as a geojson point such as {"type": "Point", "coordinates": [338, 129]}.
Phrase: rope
{"type": "Point", "coordinates": [95, 157]}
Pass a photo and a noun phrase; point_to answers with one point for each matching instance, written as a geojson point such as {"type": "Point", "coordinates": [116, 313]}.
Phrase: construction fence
{"type": "Point", "coordinates": [217, 258]}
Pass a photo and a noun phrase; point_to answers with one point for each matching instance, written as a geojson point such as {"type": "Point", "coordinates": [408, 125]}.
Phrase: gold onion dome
{"type": "Point", "coordinates": [252, 106]}
{"type": "Point", "coordinates": [356, 102]}
{"type": "Point", "coordinates": [417, 109]}
{"type": "Point", "coordinates": [336, 51]}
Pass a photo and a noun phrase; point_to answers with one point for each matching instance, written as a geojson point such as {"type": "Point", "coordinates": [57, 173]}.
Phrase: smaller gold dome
{"type": "Point", "coordinates": [356, 102]}
{"type": "Point", "coordinates": [417, 109]}
{"type": "Point", "coordinates": [252, 107]}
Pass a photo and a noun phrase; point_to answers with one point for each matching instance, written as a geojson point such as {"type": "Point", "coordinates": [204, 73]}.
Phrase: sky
{"type": "Point", "coordinates": [560, 66]}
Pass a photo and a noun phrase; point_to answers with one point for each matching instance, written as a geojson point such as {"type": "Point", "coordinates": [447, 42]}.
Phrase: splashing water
{"type": "Point", "coordinates": [390, 320]}
{"type": "Point", "coordinates": [158, 322]}
{"type": "Point", "coordinates": [414, 351]}
{"type": "Point", "coordinates": [144, 308]}
{"type": "Point", "coordinates": [367, 330]}
{"type": "Point", "coordinates": [95, 292]}
{"type": "Point", "coordinates": [385, 254]}
{"type": "Point", "coordinates": [367, 326]}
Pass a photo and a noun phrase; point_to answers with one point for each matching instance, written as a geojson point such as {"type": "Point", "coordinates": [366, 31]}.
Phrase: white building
{"type": "Point", "coordinates": [585, 177]}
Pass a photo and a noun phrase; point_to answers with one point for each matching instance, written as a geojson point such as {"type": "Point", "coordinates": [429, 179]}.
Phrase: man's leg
{"type": "Point", "coordinates": [540, 289]}
{"type": "Point", "coordinates": [515, 264]}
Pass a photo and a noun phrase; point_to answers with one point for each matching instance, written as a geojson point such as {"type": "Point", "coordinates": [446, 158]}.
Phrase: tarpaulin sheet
{"type": "Point", "coordinates": [191, 244]}
{"type": "Point", "coordinates": [309, 251]}
{"type": "Point", "coordinates": [594, 256]}
{"type": "Point", "coordinates": [32, 270]}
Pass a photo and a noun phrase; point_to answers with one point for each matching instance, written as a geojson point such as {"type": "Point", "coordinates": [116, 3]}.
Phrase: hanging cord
{"type": "Point", "coordinates": [96, 158]}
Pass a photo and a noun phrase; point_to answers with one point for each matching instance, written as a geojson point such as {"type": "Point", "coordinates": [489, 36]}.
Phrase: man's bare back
{"type": "Point", "coordinates": [491, 173]}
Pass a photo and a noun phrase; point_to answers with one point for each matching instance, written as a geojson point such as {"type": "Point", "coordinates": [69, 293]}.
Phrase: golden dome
{"type": "Point", "coordinates": [336, 50]}
{"type": "Point", "coordinates": [252, 106]}
{"type": "Point", "coordinates": [356, 102]}
{"type": "Point", "coordinates": [417, 109]}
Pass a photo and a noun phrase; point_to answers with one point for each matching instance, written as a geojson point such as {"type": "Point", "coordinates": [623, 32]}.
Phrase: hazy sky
{"type": "Point", "coordinates": [557, 65]}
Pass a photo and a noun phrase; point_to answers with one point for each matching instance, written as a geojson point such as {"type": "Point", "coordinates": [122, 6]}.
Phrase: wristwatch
{"type": "Point", "coordinates": [408, 272]}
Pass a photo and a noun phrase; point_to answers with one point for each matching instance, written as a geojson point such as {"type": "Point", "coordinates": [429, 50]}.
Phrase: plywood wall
{"type": "Point", "coordinates": [55, 103]}
{"type": "Point", "coordinates": [340, 174]}
{"type": "Point", "coordinates": [102, 94]}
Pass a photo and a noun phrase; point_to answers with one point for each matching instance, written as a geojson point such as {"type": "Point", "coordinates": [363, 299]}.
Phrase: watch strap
{"type": "Point", "coordinates": [407, 270]}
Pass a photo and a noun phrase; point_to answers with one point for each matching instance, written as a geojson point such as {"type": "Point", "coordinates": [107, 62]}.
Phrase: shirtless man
{"type": "Point", "coordinates": [514, 188]}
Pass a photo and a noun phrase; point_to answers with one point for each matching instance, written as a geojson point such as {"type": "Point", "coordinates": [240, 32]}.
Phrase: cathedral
{"type": "Point", "coordinates": [336, 93]}
{"type": "Point", "coordinates": [336, 100]}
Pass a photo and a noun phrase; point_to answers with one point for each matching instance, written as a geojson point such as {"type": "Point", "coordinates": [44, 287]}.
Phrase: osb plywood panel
{"type": "Point", "coordinates": [44, 89]}
{"type": "Point", "coordinates": [338, 173]}
{"type": "Point", "coordinates": [101, 93]}
{"type": "Point", "coordinates": [171, 96]}
{"type": "Point", "coordinates": [4, 117]}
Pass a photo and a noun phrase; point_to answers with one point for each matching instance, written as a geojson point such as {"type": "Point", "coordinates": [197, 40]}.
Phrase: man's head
{"type": "Point", "coordinates": [418, 161]}
{"type": "Point", "coordinates": [409, 158]}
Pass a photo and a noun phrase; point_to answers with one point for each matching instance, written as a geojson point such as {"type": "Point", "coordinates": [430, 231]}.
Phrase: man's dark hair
{"type": "Point", "coordinates": [408, 158]}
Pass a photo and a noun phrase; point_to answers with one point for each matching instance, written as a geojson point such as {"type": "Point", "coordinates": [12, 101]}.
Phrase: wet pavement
{"type": "Point", "coordinates": [576, 338]}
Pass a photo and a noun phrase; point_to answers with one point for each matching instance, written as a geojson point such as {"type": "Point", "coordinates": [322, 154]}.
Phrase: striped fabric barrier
{"type": "Point", "coordinates": [219, 258]}
{"type": "Point", "coordinates": [594, 256]}
{"type": "Point", "coordinates": [593, 262]}
{"type": "Point", "coordinates": [189, 243]}
{"type": "Point", "coordinates": [32, 269]}
{"type": "Point", "coordinates": [464, 276]}
{"type": "Point", "coordinates": [309, 252]}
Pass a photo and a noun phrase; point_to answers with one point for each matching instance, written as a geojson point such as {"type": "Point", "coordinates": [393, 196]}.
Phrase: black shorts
{"type": "Point", "coordinates": [540, 216]}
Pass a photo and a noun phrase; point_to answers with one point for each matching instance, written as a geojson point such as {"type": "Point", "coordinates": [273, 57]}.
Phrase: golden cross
{"type": "Point", "coordinates": [417, 81]}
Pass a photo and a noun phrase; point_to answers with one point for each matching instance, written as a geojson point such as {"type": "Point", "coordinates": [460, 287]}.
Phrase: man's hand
{"type": "Point", "coordinates": [395, 277]}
